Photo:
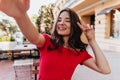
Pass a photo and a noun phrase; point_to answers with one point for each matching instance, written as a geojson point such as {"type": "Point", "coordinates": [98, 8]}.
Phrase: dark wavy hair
{"type": "Point", "coordinates": [74, 38]}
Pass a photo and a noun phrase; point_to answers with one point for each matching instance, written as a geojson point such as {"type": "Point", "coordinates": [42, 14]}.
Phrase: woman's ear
{"type": "Point", "coordinates": [83, 38]}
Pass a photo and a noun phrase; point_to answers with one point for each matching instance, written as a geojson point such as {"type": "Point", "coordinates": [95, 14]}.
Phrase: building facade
{"type": "Point", "coordinates": [103, 14]}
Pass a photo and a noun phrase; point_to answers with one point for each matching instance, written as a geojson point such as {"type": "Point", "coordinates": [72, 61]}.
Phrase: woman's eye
{"type": "Point", "coordinates": [59, 20]}
{"type": "Point", "coordinates": [68, 21]}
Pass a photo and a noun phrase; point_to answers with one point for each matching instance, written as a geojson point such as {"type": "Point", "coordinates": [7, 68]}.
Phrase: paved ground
{"type": "Point", "coordinates": [6, 70]}
{"type": "Point", "coordinates": [81, 73]}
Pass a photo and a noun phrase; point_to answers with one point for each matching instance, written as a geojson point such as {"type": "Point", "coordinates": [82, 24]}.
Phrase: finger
{"type": "Point", "coordinates": [92, 27]}
{"type": "Point", "coordinates": [82, 22]}
{"type": "Point", "coordinates": [88, 26]}
{"type": "Point", "coordinates": [81, 26]}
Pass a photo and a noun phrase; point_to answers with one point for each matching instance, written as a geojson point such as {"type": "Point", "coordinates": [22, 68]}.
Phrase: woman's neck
{"type": "Point", "coordinates": [66, 42]}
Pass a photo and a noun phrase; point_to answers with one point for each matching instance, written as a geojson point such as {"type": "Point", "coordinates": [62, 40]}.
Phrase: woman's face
{"type": "Point", "coordinates": [63, 24]}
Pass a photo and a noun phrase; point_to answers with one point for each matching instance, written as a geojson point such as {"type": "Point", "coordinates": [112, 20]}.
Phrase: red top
{"type": "Point", "coordinates": [58, 64]}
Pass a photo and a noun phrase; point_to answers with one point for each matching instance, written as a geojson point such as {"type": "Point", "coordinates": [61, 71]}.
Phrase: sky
{"type": "Point", "coordinates": [33, 10]}
{"type": "Point", "coordinates": [36, 4]}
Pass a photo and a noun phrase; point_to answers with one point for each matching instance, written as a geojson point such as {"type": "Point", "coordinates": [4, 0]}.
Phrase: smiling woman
{"type": "Point", "coordinates": [63, 50]}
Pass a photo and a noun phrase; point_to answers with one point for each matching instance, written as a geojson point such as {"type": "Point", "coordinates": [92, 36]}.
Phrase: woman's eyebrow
{"type": "Point", "coordinates": [67, 18]}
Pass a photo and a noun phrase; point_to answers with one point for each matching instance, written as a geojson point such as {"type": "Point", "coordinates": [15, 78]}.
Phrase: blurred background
{"type": "Point", "coordinates": [104, 15]}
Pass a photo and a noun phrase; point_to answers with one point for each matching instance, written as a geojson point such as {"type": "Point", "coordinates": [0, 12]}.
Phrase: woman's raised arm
{"type": "Point", "coordinates": [99, 63]}
{"type": "Point", "coordinates": [18, 10]}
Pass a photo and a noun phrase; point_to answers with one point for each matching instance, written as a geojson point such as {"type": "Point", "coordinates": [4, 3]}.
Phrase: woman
{"type": "Point", "coordinates": [63, 50]}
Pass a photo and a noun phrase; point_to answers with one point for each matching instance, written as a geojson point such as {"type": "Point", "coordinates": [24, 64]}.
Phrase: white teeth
{"type": "Point", "coordinates": [62, 28]}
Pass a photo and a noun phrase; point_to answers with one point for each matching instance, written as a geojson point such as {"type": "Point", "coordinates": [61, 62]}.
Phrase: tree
{"type": "Point", "coordinates": [7, 29]}
{"type": "Point", "coordinates": [45, 20]}
{"type": "Point", "coordinates": [10, 26]}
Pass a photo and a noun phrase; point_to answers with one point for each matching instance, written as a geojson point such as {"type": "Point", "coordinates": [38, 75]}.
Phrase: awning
{"type": "Point", "coordinates": [105, 11]}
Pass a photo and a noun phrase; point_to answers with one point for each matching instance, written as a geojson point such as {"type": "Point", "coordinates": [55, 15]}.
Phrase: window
{"type": "Point", "coordinates": [115, 24]}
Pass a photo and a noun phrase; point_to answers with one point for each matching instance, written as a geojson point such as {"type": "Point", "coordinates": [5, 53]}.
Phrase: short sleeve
{"type": "Point", "coordinates": [47, 41]}
{"type": "Point", "coordinates": [85, 56]}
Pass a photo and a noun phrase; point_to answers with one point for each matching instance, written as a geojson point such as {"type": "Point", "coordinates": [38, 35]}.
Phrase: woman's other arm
{"type": "Point", "coordinates": [30, 31]}
{"type": "Point", "coordinates": [18, 10]}
{"type": "Point", "coordinates": [99, 63]}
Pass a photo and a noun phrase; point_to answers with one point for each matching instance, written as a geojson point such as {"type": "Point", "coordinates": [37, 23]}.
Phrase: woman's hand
{"type": "Point", "coordinates": [88, 31]}
{"type": "Point", "coordinates": [99, 63]}
{"type": "Point", "coordinates": [14, 8]}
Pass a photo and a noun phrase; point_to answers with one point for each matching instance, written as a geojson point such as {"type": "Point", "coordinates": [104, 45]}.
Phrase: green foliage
{"type": "Point", "coordinates": [45, 17]}
{"type": "Point", "coordinates": [7, 39]}
{"type": "Point", "coordinates": [9, 27]}
{"type": "Point", "coordinates": [12, 39]}
{"type": "Point", "coordinates": [47, 21]}
{"type": "Point", "coordinates": [0, 39]}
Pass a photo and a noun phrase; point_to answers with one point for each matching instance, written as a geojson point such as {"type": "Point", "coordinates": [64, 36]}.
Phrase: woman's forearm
{"type": "Point", "coordinates": [28, 29]}
{"type": "Point", "coordinates": [100, 59]}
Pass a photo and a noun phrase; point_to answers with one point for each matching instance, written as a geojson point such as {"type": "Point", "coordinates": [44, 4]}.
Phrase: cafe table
{"type": "Point", "coordinates": [19, 48]}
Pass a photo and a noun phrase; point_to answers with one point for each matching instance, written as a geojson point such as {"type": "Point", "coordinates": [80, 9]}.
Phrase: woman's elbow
{"type": "Point", "coordinates": [106, 72]}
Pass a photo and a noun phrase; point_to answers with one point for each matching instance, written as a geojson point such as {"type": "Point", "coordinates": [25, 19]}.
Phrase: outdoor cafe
{"type": "Point", "coordinates": [10, 50]}
{"type": "Point", "coordinates": [25, 58]}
